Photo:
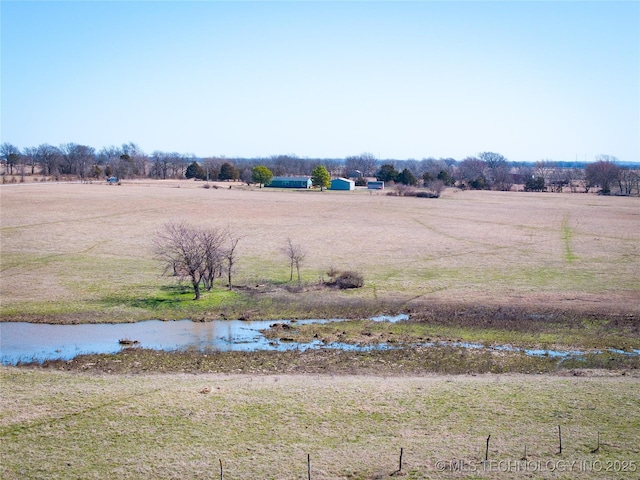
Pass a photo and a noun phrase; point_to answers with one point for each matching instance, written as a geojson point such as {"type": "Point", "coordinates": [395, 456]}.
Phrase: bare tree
{"type": "Point", "coordinates": [10, 156]}
{"type": "Point", "coordinates": [179, 246]}
{"type": "Point", "coordinates": [127, 161]}
{"type": "Point", "coordinates": [575, 177]}
{"type": "Point", "coordinates": [497, 170]}
{"type": "Point", "coordinates": [48, 157]}
{"type": "Point", "coordinates": [602, 173]}
{"type": "Point", "coordinates": [296, 254]}
{"type": "Point", "coordinates": [557, 180]}
{"type": "Point", "coordinates": [334, 167]}
{"type": "Point", "coordinates": [474, 171]}
{"type": "Point", "coordinates": [414, 166]}
{"type": "Point", "coordinates": [501, 177]}
{"type": "Point", "coordinates": [68, 158]}
{"type": "Point", "coordinates": [212, 167]}
{"type": "Point", "coordinates": [138, 159]}
{"type": "Point", "coordinates": [29, 157]}
{"type": "Point", "coordinates": [544, 169]}
{"type": "Point", "coordinates": [430, 168]}
{"type": "Point", "coordinates": [77, 159]}
{"type": "Point", "coordinates": [161, 163]}
{"type": "Point", "coordinates": [627, 179]}
{"type": "Point", "coordinates": [633, 179]}
{"type": "Point", "coordinates": [230, 256]}
{"type": "Point", "coordinates": [196, 253]}
{"type": "Point", "coordinates": [365, 163]}
{"type": "Point", "coordinates": [369, 164]}
{"type": "Point", "coordinates": [179, 162]}
{"type": "Point", "coordinates": [212, 240]}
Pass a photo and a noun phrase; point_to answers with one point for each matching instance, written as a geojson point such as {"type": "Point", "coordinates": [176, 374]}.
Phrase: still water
{"type": "Point", "coordinates": [27, 342]}
{"type": "Point", "coordinates": [37, 342]}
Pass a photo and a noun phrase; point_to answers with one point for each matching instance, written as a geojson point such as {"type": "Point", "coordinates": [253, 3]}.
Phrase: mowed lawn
{"type": "Point", "coordinates": [75, 425]}
{"type": "Point", "coordinates": [89, 248]}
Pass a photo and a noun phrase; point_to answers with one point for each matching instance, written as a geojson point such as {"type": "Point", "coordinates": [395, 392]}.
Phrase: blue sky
{"type": "Point", "coordinates": [555, 80]}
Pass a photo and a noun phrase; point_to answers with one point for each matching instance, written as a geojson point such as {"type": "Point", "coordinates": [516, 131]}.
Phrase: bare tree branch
{"type": "Point", "coordinates": [296, 254]}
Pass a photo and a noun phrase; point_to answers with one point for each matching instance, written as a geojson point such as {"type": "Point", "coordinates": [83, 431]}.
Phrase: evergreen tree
{"type": "Point", "coordinates": [407, 178]}
{"type": "Point", "coordinates": [387, 173]}
{"type": "Point", "coordinates": [194, 170]}
{"type": "Point", "coordinates": [446, 178]}
{"type": "Point", "coordinates": [228, 172]}
{"type": "Point", "coordinates": [320, 177]}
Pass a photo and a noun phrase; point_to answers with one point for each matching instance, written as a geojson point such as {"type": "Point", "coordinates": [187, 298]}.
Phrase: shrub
{"type": "Point", "coordinates": [403, 191]}
{"type": "Point", "coordinates": [344, 280]}
{"type": "Point", "coordinates": [427, 195]}
{"type": "Point", "coordinates": [448, 180]}
{"type": "Point", "coordinates": [534, 184]}
{"type": "Point", "coordinates": [479, 183]}
{"type": "Point", "coordinates": [436, 187]}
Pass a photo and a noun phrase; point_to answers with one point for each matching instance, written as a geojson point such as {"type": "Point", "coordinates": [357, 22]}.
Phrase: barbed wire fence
{"type": "Point", "coordinates": [459, 464]}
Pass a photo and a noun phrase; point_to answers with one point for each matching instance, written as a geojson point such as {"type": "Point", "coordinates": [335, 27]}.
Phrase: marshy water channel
{"type": "Point", "coordinates": [37, 342]}
{"type": "Point", "coordinates": [22, 342]}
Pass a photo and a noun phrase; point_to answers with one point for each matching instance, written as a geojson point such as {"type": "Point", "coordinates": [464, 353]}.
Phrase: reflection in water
{"type": "Point", "coordinates": [27, 342]}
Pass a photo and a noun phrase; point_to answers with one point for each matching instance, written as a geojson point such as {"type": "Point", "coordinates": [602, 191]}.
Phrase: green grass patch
{"type": "Point", "coordinates": [567, 234]}
{"type": "Point", "coordinates": [175, 298]}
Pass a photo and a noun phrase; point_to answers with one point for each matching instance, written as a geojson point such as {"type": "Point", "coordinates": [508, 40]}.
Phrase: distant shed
{"type": "Point", "coordinates": [290, 182]}
{"type": "Point", "coordinates": [375, 185]}
{"type": "Point", "coordinates": [342, 184]}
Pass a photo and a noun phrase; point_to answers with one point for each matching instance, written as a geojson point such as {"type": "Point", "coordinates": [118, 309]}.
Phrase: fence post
{"type": "Point", "coordinates": [595, 450]}
{"type": "Point", "coordinates": [486, 452]}
{"type": "Point", "coordinates": [560, 439]}
{"type": "Point", "coordinates": [309, 466]}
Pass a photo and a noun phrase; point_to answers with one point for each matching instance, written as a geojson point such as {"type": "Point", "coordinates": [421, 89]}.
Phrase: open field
{"type": "Point", "coordinates": [61, 425]}
{"type": "Point", "coordinates": [529, 270]}
{"type": "Point", "coordinates": [83, 253]}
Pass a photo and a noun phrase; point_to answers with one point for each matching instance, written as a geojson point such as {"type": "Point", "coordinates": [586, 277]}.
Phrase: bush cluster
{"type": "Point", "coordinates": [345, 279]}
{"type": "Point", "coordinates": [433, 191]}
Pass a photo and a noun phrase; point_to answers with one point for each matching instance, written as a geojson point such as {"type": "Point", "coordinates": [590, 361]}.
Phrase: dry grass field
{"type": "Point", "coordinates": [62, 425]}
{"type": "Point", "coordinates": [87, 249]}
{"type": "Point", "coordinates": [83, 253]}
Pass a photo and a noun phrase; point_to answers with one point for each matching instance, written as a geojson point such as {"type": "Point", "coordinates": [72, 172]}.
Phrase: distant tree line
{"type": "Point", "coordinates": [486, 171]}
{"type": "Point", "coordinates": [492, 171]}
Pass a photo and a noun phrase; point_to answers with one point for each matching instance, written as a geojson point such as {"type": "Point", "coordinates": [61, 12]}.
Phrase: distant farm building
{"type": "Point", "coordinates": [342, 184]}
{"type": "Point", "coordinates": [290, 182]}
{"type": "Point", "coordinates": [375, 185]}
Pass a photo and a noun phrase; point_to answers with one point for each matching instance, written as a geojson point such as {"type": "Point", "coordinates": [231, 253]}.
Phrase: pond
{"type": "Point", "coordinates": [37, 342]}
{"type": "Point", "coordinates": [28, 342]}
